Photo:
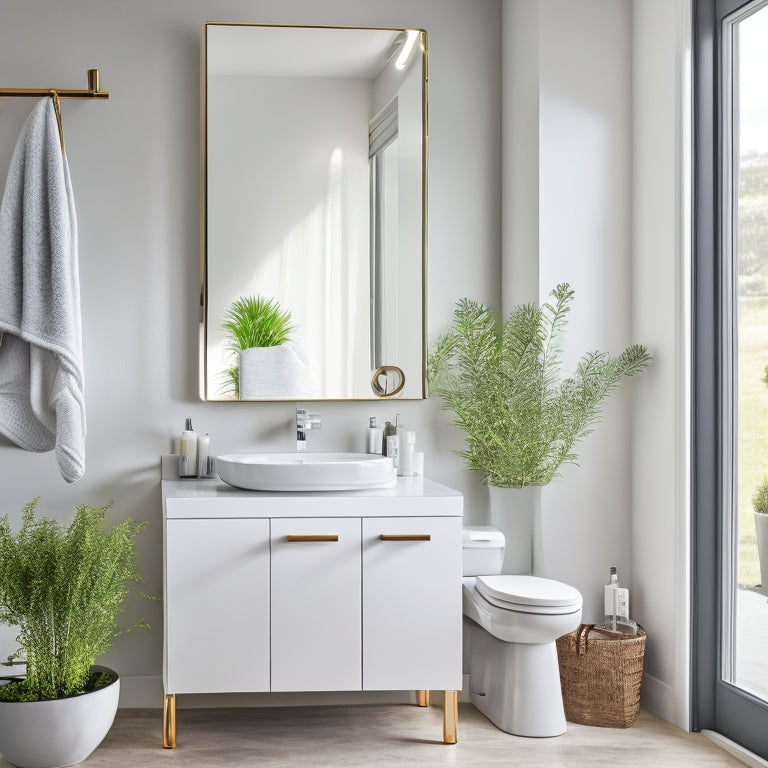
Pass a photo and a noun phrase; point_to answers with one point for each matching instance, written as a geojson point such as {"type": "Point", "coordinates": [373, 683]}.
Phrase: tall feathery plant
{"type": "Point", "coordinates": [522, 419]}
{"type": "Point", "coordinates": [63, 589]}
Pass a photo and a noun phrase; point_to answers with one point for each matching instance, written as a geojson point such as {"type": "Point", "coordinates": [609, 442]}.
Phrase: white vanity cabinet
{"type": "Point", "coordinates": [217, 606]}
{"type": "Point", "coordinates": [411, 566]}
{"type": "Point", "coordinates": [311, 591]}
{"type": "Point", "coordinates": [316, 644]}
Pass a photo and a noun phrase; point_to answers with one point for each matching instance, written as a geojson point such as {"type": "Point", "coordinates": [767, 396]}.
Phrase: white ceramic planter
{"type": "Point", "coordinates": [55, 734]}
{"type": "Point", "coordinates": [516, 513]}
{"type": "Point", "coordinates": [761, 528]}
{"type": "Point", "coordinates": [273, 372]}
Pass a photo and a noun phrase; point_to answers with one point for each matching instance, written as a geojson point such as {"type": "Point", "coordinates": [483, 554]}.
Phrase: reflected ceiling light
{"type": "Point", "coordinates": [405, 51]}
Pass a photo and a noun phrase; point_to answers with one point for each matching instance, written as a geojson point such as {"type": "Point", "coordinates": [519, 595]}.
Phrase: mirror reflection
{"type": "Point", "coordinates": [315, 189]}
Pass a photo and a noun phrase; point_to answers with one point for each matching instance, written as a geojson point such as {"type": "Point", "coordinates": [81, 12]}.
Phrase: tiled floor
{"type": "Point", "coordinates": [387, 735]}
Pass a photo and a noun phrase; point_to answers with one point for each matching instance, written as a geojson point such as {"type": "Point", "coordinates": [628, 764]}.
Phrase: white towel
{"type": "Point", "coordinates": [41, 371]}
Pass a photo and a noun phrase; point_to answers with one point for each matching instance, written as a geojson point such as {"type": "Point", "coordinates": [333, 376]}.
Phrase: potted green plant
{"type": "Point", "coordinates": [62, 589]}
{"type": "Point", "coordinates": [258, 331]}
{"type": "Point", "coordinates": [760, 507]}
{"type": "Point", "coordinates": [521, 416]}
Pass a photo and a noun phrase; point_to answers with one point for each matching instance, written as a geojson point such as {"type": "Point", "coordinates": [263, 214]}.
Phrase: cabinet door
{"type": "Point", "coordinates": [316, 604]}
{"type": "Point", "coordinates": [216, 606]}
{"type": "Point", "coordinates": [412, 603]}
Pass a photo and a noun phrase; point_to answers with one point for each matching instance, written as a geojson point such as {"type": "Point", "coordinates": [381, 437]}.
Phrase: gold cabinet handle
{"type": "Point", "coordinates": [406, 537]}
{"type": "Point", "coordinates": [313, 537]}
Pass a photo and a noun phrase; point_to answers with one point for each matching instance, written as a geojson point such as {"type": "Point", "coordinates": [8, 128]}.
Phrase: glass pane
{"type": "Point", "coordinates": [385, 281]}
{"type": "Point", "coordinates": [748, 646]}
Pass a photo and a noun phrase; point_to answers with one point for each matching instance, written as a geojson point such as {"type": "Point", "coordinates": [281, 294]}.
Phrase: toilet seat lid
{"type": "Point", "coordinates": [528, 591]}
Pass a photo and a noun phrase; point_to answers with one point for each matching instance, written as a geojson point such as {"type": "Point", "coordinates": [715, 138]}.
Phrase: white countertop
{"type": "Point", "coordinates": [215, 488]}
{"type": "Point", "coordinates": [411, 496]}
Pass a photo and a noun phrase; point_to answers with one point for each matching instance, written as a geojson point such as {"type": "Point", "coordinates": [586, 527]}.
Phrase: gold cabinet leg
{"type": "Point", "coordinates": [169, 721]}
{"type": "Point", "coordinates": [422, 698]}
{"type": "Point", "coordinates": [450, 716]}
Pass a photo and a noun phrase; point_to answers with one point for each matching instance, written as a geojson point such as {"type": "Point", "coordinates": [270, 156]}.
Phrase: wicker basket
{"type": "Point", "coordinates": [601, 676]}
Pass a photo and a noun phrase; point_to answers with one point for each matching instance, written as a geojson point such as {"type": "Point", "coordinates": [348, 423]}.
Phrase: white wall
{"type": "Point", "coordinates": [570, 222]}
{"type": "Point", "coordinates": [661, 313]}
{"type": "Point", "coordinates": [135, 173]}
{"type": "Point", "coordinates": [594, 184]}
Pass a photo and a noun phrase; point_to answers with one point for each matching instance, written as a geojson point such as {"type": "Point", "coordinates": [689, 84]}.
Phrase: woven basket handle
{"type": "Point", "coordinates": [581, 638]}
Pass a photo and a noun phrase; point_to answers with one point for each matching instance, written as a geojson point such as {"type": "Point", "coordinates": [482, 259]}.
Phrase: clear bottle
{"type": "Point", "coordinates": [389, 430]}
{"type": "Point", "coordinates": [616, 603]}
{"type": "Point", "coordinates": [393, 450]}
{"type": "Point", "coordinates": [611, 599]}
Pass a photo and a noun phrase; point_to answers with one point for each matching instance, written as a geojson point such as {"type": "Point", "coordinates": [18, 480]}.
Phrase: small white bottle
{"type": "Point", "coordinates": [188, 450]}
{"type": "Point", "coordinates": [407, 453]}
{"type": "Point", "coordinates": [203, 445]}
{"type": "Point", "coordinates": [375, 437]}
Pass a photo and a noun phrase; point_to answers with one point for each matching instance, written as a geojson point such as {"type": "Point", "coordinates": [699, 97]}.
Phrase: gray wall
{"type": "Point", "coordinates": [135, 171]}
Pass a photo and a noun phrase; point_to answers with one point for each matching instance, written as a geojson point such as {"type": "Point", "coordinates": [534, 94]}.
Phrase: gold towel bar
{"type": "Point", "coordinates": [92, 92]}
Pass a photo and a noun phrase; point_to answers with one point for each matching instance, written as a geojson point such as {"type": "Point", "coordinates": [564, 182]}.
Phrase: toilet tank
{"type": "Point", "coordinates": [482, 550]}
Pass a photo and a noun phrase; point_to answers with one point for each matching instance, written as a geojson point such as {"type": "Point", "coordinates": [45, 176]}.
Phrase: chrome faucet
{"type": "Point", "coordinates": [304, 422]}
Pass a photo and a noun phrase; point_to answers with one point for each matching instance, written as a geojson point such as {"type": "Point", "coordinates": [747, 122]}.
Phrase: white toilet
{"type": "Point", "coordinates": [514, 622]}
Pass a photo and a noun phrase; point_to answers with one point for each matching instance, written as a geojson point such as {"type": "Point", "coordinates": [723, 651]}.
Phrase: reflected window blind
{"type": "Point", "coordinates": [382, 128]}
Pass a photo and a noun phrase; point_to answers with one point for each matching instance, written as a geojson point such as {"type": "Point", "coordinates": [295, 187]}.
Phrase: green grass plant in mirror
{"type": "Point", "coordinates": [253, 321]}
{"type": "Point", "coordinates": [63, 589]}
{"type": "Point", "coordinates": [521, 417]}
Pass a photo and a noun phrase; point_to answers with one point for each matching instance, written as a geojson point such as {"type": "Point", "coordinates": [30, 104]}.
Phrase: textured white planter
{"type": "Point", "coordinates": [273, 372]}
{"type": "Point", "coordinates": [516, 513]}
{"type": "Point", "coordinates": [54, 734]}
{"type": "Point", "coordinates": [761, 528]}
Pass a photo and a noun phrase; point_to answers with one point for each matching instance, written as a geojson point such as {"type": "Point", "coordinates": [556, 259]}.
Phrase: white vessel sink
{"type": "Point", "coordinates": [306, 471]}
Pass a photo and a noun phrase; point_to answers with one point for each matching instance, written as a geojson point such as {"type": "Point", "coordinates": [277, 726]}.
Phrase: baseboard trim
{"type": "Point", "coordinates": [141, 692]}
{"type": "Point", "coordinates": [747, 757]}
{"type": "Point", "coordinates": [662, 700]}
{"type": "Point", "coordinates": [146, 692]}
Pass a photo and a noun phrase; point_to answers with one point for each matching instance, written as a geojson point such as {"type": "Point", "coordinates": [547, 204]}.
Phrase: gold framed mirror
{"type": "Point", "coordinates": [314, 225]}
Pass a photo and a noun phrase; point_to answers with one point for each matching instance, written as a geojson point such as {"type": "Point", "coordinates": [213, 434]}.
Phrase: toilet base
{"type": "Point", "coordinates": [516, 685]}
